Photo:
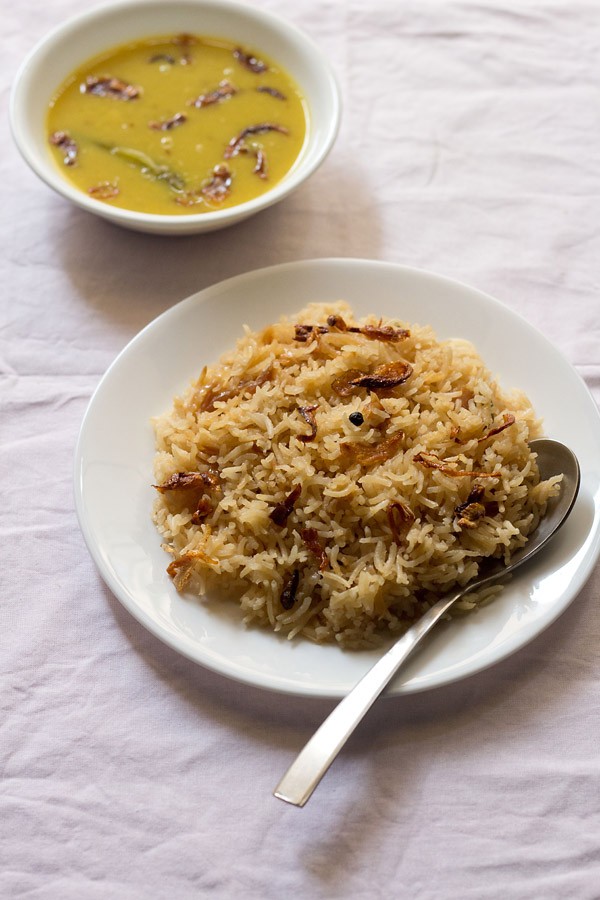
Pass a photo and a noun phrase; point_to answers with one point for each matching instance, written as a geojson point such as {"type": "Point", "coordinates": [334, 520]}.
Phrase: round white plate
{"type": "Point", "coordinates": [114, 472]}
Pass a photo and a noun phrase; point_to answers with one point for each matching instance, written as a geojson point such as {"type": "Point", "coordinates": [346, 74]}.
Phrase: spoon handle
{"type": "Point", "coordinates": [312, 762]}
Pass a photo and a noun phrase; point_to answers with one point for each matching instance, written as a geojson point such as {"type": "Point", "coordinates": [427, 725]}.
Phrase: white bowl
{"type": "Point", "coordinates": [93, 32]}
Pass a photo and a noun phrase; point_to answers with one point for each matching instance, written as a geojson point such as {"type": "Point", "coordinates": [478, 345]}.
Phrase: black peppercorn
{"type": "Point", "coordinates": [356, 418]}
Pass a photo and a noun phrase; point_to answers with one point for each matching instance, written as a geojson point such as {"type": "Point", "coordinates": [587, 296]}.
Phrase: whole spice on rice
{"type": "Point", "coordinates": [345, 385]}
{"type": "Point", "coordinates": [282, 511]}
{"type": "Point", "coordinates": [373, 332]}
{"type": "Point", "coordinates": [468, 513]}
{"type": "Point", "coordinates": [290, 589]}
{"type": "Point", "coordinates": [310, 536]}
{"type": "Point", "coordinates": [337, 322]}
{"type": "Point", "coordinates": [475, 494]}
{"type": "Point", "coordinates": [304, 333]}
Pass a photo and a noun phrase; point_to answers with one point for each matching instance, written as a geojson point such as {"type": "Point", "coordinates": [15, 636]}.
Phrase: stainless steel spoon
{"type": "Point", "coordinates": [305, 773]}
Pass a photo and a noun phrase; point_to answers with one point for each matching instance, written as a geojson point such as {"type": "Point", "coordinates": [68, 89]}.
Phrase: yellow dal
{"type": "Point", "coordinates": [190, 150]}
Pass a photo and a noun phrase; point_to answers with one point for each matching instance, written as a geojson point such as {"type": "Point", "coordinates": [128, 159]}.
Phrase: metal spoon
{"type": "Point", "coordinates": [305, 773]}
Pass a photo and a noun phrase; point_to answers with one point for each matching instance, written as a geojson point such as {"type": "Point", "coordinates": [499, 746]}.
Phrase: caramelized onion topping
{"type": "Point", "coordinates": [280, 513]}
{"type": "Point", "coordinates": [184, 481]}
{"type": "Point", "coordinates": [250, 62]}
{"type": "Point", "coordinates": [400, 519]}
{"type": "Point", "coordinates": [168, 124]}
{"type": "Point", "coordinates": [384, 377]}
{"type": "Point", "coordinates": [263, 89]}
{"type": "Point", "coordinates": [474, 508]}
{"type": "Point", "coordinates": [307, 413]}
{"type": "Point", "coordinates": [110, 87]}
{"type": "Point", "coordinates": [475, 494]}
{"type": "Point", "coordinates": [310, 536]}
{"type": "Point", "coordinates": [471, 512]}
{"type": "Point", "coordinates": [185, 564]}
{"type": "Point", "coordinates": [430, 461]}
{"type": "Point", "coordinates": [203, 510]}
{"type": "Point", "coordinates": [260, 167]}
{"type": "Point", "coordinates": [224, 91]}
{"type": "Point", "coordinates": [373, 332]}
{"type": "Point", "coordinates": [508, 420]}
{"type": "Point", "coordinates": [345, 385]}
{"type": "Point", "coordinates": [373, 454]}
{"type": "Point", "coordinates": [68, 146]}
{"type": "Point", "coordinates": [211, 396]}
{"type": "Point", "coordinates": [237, 144]}
{"type": "Point", "coordinates": [219, 187]}
{"type": "Point", "coordinates": [105, 190]}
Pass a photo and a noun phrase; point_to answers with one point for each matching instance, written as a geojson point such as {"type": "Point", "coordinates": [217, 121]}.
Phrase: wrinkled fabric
{"type": "Point", "coordinates": [470, 145]}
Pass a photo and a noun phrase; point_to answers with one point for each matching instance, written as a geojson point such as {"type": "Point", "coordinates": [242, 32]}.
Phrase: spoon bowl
{"type": "Point", "coordinates": [554, 458]}
{"type": "Point", "coordinates": [299, 782]}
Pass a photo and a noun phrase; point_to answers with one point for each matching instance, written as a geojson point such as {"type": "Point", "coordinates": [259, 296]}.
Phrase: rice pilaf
{"type": "Point", "coordinates": [336, 477]}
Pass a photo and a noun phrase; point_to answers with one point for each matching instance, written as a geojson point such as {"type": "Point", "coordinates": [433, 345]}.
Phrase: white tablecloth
{"type": "Point", "coordinates": [470, 145]}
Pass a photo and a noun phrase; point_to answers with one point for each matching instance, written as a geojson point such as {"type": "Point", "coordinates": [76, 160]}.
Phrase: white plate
{"type": "Point", "coordinates": [114, 459]}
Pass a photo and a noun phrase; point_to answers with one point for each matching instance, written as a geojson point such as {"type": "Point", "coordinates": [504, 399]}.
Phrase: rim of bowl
{"type": "Point", "coordinates": [42, 164]}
